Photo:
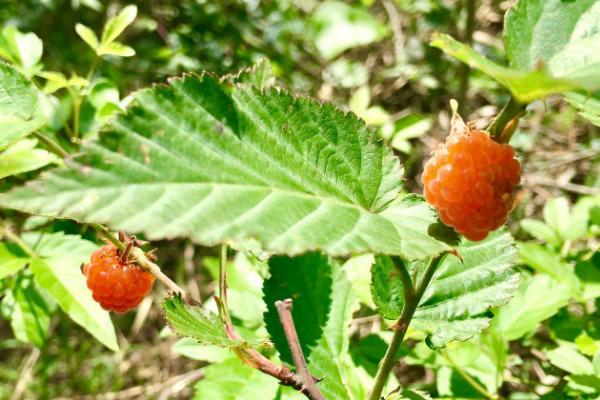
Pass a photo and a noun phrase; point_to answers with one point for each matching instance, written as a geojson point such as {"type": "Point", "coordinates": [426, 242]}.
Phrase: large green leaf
{"type": "Point", "coordinates": [56, 268]}
{"type": "Point", "coordinates": [307, 280]}
{"type": "Point", "coordinates": [330, 358]}
{"type": "Point", "coordinates": [563, 35]}
{"type": "Point", "coordinates": [12, 259]}
{"type": "Point", "coordinates": [213, 162]}
{"type": "Point", "coordinates": [193, 321]}
{"type": "Point", "coordinates": [457, 302]}
{"type": "Point", "coordinates": [525, 85]}
{"type": "Point", "coordinates": [233, 380]}
{"type": "Point", "coordinates": [30, 318]}
{"type": "Point", "coordinates": [18, 103]}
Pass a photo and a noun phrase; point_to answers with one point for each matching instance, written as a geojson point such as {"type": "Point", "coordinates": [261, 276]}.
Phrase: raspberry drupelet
{"type": "Point", "coordinates": [471, 181]}
{"type": "Point", "coordinates": [116, 284]}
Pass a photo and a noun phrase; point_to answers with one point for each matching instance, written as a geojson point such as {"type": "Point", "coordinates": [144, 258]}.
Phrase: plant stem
{"type": "Point", "coordinates": [92, 69]}
{"type": "Point", "coordinates": [10, 235]}
{"type": "Point", "coordinates": [480, 389]}
{"type": "Point", "coordinates": [502, 128]}
{"type": "Point", "coordinates": [411, 301]}
{"type": "Point", "coordinates": [465, 70]}
{"type": "Point", "coordinates": [52, 145]}
{"type": "Point", "coordinates": [284, 309]}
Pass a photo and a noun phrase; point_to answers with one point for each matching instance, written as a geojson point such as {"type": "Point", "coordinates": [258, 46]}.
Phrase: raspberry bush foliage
{"type": "Point", "coordinates": [272, 245]}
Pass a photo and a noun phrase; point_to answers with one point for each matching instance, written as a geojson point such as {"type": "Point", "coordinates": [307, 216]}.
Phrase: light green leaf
{"type": "Point", "coordinates": [23, 49]}
{"type": "Point", "coordinates": [339, 26]}
{"type": "Point", "coordinates": [525, 85]}
{"type": "Point", "coordinates": [567, 358]}
{"type": "Point", "coordinates": [57, 269]}
{"type": "Point", "coordinates": [12, 259]}
{"type": "Point", "coordinates": [360, 100]}
{"type": "Point", "coordinates": [457, 303]}
{"type": "Point", "coordinates": [543, 260]}
{"type": "Point", "coordinates": [557, 214]}
{"type": "Point", "coordinates": [588, 105]}
{"type": "Point", "coordinates": [18, 102]}
{"type": "Point", "coordinates": [540, 231]}
{"type": "Point", "coordinates": [23, 157]}
{"type": "Point", "coordinates": [217, 163]}
{"type": "Point", "coordinates": [358, 271]}
{"type": "Point", "coordinates": [330, 359]}
{"type": "Point", "coordinates": [116, 49]}
{"type": "Point", "coordinates": [193, 321]}
{"type": "Point", "coordinates": [233, 380]}
{"type": "Point", "coordinates": [259, 75]}
{"type": "Point", "coordinates": [531, 305]}
{"type": "Point", "coordinates": [190, 348]}
{"type": "Point", "coordinates": [115, 26]}
{"type": "Point", "coordinates": [563, 35]}
{"type": "Point", "coordinates": [87, 35]}
{"type": "Point", "coordinates": [30, 319]}
{"type": "Point", "coordinates": [307, 281]}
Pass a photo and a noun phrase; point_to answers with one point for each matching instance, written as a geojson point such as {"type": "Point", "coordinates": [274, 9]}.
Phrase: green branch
{"type": "Point", "coordinates": [412, 298]}
{"type": "Point", "coordinates": [502, 128]}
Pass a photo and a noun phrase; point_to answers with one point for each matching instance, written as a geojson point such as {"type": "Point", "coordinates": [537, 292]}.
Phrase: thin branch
{"type": "Point", "coordinates": [26, 373]}
{"type": "Point", "coordinates": [10, 235]}
{"type": "Point", "coordinates": [51, 145]}
{"type": "Point", "coordinates": [396, 24]}
{"type": "Point", "coordinates": [480, 389]}
{"type": "Point", "coordinates": [284, 309]}
{"type": "Point", "coordinates": [401, 326]}
{"type": "Point", "coordinates": [537, 180]}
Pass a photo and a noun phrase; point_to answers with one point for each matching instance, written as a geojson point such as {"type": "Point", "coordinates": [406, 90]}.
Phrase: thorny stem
{"type": "Point", "coordinates": [411, 301]}
{"type": "Point", "coordinates": [52, 145]}
{"type": "Point", "coordinates": [502, 128]}
{"type": "Point", "coordinates": [284, 309]}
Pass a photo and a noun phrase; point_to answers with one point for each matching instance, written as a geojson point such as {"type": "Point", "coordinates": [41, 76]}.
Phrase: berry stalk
{"type": "Point", "coordinates": [502, 128]}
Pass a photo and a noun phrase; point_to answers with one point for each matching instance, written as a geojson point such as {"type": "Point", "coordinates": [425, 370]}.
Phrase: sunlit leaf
{"type": "Point", "coordinates": [212, 162]}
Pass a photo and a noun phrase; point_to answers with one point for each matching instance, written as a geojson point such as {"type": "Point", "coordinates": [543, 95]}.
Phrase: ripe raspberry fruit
{"type": "Point", "coordinates": [116, 284]}
{"type": "Point", "coordinates": [471, 181]}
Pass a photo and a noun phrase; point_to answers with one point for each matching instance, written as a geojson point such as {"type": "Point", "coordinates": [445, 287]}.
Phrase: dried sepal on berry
{"type": "Point", "coordinates": [116, 283]}
{"type": "Point", "coordinates": [471, 180]}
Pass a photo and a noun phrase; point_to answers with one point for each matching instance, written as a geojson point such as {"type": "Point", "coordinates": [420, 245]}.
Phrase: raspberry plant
{"type": "Point", "coordinates": [297, 198]}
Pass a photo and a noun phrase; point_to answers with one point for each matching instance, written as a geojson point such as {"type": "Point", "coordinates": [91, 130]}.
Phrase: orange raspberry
{"type": "Point", "coordinates": [116, 284]}
{"type": "Point", "coordinates": [471, 181]}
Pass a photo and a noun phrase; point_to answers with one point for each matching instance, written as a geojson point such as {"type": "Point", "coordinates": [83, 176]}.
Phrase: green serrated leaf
{"type": "Point", "coordinates": [457, 302]}
{"type": "Point", "coordinates": [561, 35]}
{"type": "Point", "coordinates": [30, 318]}
{"type": "Point", "coordinates": [307, 281]}
{"type": "Point", "coordinates": [115, 26]}
{"type": "Point", "coordinates": [525, 86]}
{"type": "Point", "coordinates": [567, 358]}
{"type": "Point", "coordinates": [386, 288]}
{"type": "Point", "coordinates": [588, 105]}
{"type": "Point", "coordinates": [12, 259]}
{"type": "Point", "coordinates": [212, 162]}
{"type": "Point", "coordinates": [56, 268]}
{"type": "Point", "coordinates": [190, 348]}
{"type": "Point", "coordinates": [259, 75]}
{"type": "Point", "coordinates": [87, 35]}
{"type": "Point", "coordinates": [540, 231]}
{"type": "Point", "coordinates": [330, 359]}
{"type": "Point", "coordinates": [232, 380]}
{"type": "Point", "coordinates": [195, 322]}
